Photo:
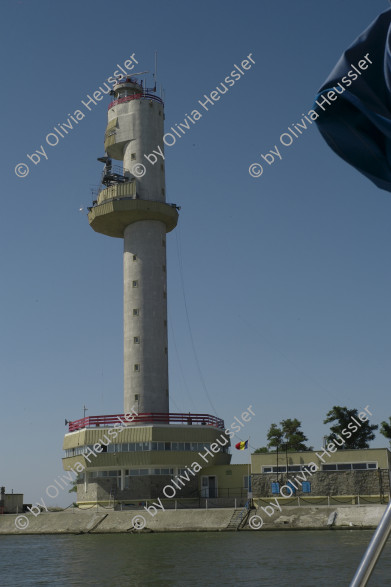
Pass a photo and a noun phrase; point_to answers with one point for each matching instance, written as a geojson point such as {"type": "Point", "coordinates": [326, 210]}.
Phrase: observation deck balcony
{"type": "Point", "coordinates": [147, 418]}
{"type": "Point", "coordinates": [116, 208]}
{"type": "Point", "coordinates": [143, 96]}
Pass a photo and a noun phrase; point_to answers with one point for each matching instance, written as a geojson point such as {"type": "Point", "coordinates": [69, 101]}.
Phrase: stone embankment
{"type": "Point", "coordinates": [103, 521]}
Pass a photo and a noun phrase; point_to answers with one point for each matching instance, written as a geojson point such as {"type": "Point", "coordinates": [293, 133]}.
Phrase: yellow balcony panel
{"type": "Point", "coordinates": [90, 436]}
{"type": "Point", "coordinates": [74, 439]}
{"type": "Point", "coordinates": [121, 190]}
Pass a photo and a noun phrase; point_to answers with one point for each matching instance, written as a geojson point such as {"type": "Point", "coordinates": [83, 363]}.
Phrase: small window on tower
{"type": "Point", "coordinates": [135, 283]}
{"type": "Point", "coordinates": [162, 166]}
{"type": "Point", "coordinates": [136, 340]}
{"type": "Point", "coordinates": [132, 156]}
{"type": "Point", "coordinates": [135, 311]}
{"type": "Point", "coordinates": [134, 257]}
{"type": "Point", "coordinates": [136, 396]}
{"type": "Point", "coordinates": [165, 323]}
{"type": "Point", "coordinates": [137, 367]}
{"type": "Point", "coordinates": [164, 268]}
{"type": "Point", "coordinates": [165, 350]}
{"type": "Point", "coordinates": [163, 191]}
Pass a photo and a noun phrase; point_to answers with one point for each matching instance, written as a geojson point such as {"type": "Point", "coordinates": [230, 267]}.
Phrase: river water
{"type": "Point", "coordinates": [283, 558]}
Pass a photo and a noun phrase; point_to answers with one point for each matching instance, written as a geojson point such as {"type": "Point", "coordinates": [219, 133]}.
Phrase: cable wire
{"type": "Point", "coordinates": [189, 326]}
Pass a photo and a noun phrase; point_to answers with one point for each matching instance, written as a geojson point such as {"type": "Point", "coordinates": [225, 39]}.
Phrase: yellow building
{"type": "Point", "coordinates": [309, 474]}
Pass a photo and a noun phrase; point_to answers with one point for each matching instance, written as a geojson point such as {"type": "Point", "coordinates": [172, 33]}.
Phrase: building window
{"type": "Point", "coordinates": [144, 446]}
{"type": "Point", "coordinates": [306, 487]}
{"type": "Point", "coordinates": [135, 311]}
{"type": "Point", "coordinates": [137, 472]}
{"type": "Point", "coordinates": [275, 488]}
{"type": "Point", "coordinates": [349, 466]}
{"type": "Point", "coordinates": [137, 367]}
{"type": "Point", "coordinates": [329, 467]}
{"type": "Point", "coordinates": [135, 283]}
{"type": "Point", "coordinates": [136, 397]}
{"type": "Point", "coordinates": [163, 191]}
{"type": "Point", "coordinates": [132, 156]}
{"type": "Point", "coordinates": [279, 469]}
{"type": "Point", "coordinates": [165, 323]}
{"type": "Point", "coordinates": [165, 350]}
{"type": "Point", "coordinates": [164, 268]}
{"type": "Point", "coordinates": [136, 340]}
{"type": "Point", "coordinates": [291, 468]}
{"type": "Point", "coordinates": [134, 257]}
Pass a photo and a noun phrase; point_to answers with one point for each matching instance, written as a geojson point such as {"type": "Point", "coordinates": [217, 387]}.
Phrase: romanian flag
{"type": "Point", "coordinates": [242, 445]}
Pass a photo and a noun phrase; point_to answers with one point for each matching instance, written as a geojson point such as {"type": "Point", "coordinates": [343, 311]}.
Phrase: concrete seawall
{"type": "Point", "coordinates": [212, 520]}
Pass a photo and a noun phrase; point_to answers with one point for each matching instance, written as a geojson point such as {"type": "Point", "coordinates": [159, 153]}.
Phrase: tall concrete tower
{"type": "Point", "coordinates": [133, 207]}
{"type": "Point", "coordinates": [136, 455]}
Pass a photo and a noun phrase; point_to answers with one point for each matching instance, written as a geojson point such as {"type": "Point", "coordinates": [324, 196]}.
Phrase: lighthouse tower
{"type": "Point", "coordinates": [133, 207]}
{"type": "Point", "coordinates": [138, 454]}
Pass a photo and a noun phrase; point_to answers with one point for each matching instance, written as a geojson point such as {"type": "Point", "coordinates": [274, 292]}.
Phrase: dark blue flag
{"type": "Point", "coordinates": [354, 104]}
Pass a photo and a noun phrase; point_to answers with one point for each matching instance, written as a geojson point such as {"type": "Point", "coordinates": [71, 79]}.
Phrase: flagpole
{"type": "Point", "coordinates": [249, 488]}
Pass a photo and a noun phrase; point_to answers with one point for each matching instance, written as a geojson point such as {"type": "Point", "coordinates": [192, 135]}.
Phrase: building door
{"type": "Point", "coordinates": [212, 486]}
{"type": "Point", "coordinates": [209, 486]}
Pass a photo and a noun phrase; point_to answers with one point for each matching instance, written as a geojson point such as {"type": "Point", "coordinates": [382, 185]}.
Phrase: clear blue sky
{"type": "Point", "coordinates": [287, 278]}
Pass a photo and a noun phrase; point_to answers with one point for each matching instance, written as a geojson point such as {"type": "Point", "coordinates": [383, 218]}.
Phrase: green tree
{"type": "Point", "coordinates": [275, 435]}
{"type": "Point", "coordinates": [385, 429]}
{"type": "Point", "coordinates": [288, 435]}
{"type": "Point", "coordinates": [73, 488]}
{"type": "Point", "coordinates": [342, 416]}
{"type": "Point", "coordinates": [78, 479]}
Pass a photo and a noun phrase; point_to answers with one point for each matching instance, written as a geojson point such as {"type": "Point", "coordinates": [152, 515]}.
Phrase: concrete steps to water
{"type": "Point", "coordinates": [237, 519]}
